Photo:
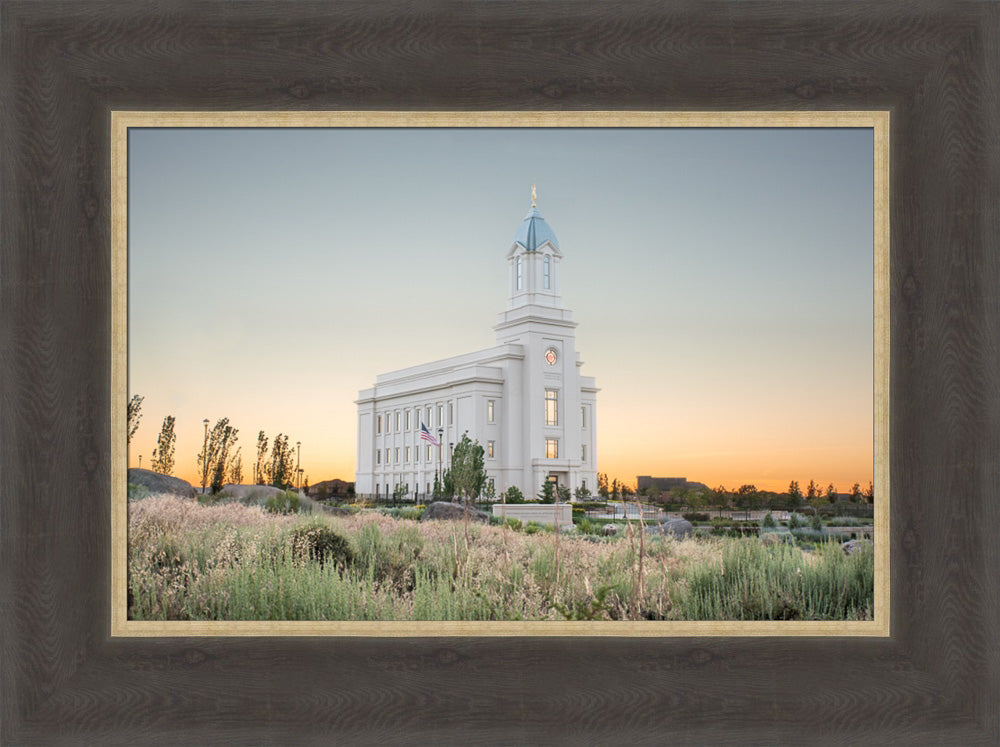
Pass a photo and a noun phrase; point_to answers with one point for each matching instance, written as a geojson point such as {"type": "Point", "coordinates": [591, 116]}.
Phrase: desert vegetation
{"type": "Point", "coordinates": [232, 561]}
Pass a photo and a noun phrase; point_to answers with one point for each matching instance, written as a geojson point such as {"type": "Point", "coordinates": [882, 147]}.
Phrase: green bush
{"type": "Point", "coordinates": [768, 521]}
{"type": "Point", "coordinates": [319, 543]}
{"type": "Point", "coordinates": [694, 516]}
{"type": "Point", "coordinates": [816, 523]}
{"type": "Point", "coordinates": [137, 492]}
{"type": "Point", "coordinates": [809, 535]}
{"type": "Point", "coordinates": [532, 527]}
{"type": "Point", "coordinates": [586, 526]}
{"type": "Point", "coordinates": [514, 495]}
{"type": "Point", "coordinates": [287, 503]}
{"type": "Point", "coordinates": [514, 524]}
{"type": "Point", "coordinates": [795, 521]}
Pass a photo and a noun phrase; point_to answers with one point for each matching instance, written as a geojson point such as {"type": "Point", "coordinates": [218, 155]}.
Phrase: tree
{"type": "Point", "coordinates": [562, 492]}
{"type": "Point", "coordinates": [260, 467]}
{"type": "Point", "coordinates": [467, 468]}
{"type": "Point", "coordinates": [869, 493]}
{"type": "Point", "coordinates": [514, 495]}
{"type": "Point", "coordinates": [438, 491]}
{"type": "Point", "coordinates": [547, 494]}
{"type": "Point", "coordinates": [163, 454]}
{"type": "Point", "coordinates": [855, 493]}
{"type": "Point", "coordinates": [582, 492]}
{"type": "Point", "coordinates": [812, 491]}
{"type": "Point", "coordinates": [794, 494]}
{"type": "Point", "coordinates": [281, 470]}
{"type": "Point", "coordinates": [134, 415]}
{"type": "Point", "coordinates": [602, 484]}
{"type": "Point", "coordinates": [746, 497]}
{"type": "Point", "coordinates": [236, 468]}
{"type": "Point", "coordinates": [831, 493]}
{"type": "Point", "coordinates": [216, 454]}
{"type": "Point", "coordinates": [719, 497]}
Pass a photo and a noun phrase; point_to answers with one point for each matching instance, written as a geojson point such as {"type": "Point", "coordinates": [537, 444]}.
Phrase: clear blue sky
{"type": "Point", "coordinates": [721, 278]}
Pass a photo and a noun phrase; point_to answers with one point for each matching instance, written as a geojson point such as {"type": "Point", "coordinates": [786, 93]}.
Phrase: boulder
{"type": "Point", "coordinates": [676, 528]}
{"type": "Point", "coordinates": [852, 546]}
{"type": "Point", "coordinates": [453, 512]}
{"type": "Point", "coordinates": [156, 483]}
{"type": "Point", "coordinates": [610, 530]}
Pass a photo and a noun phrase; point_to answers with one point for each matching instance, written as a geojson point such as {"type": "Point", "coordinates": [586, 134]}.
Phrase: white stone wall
{"type": "Point", "coordinates": [549, 514]}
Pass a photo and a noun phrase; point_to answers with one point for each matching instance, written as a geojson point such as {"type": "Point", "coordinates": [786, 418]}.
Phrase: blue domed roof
{"type": "Point", "coordinates": [534, 231]}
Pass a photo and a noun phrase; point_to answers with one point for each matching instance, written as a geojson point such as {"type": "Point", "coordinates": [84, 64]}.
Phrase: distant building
{"type": "Point", "coordinates": [524, 400]}
{"type": "Point", "coordinates": [663, 484]}
{"type": "Point", "coordinates": [332, 489]}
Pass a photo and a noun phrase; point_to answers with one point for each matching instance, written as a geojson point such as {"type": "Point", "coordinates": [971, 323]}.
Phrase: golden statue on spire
{"type": "Point", "coordinates": [533, 195]}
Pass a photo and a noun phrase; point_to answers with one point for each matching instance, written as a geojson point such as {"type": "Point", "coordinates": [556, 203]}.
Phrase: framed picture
{"type": "Point", "coordinates": [196, 188]}
{"type": "Point", "coordinates": [67, 679]}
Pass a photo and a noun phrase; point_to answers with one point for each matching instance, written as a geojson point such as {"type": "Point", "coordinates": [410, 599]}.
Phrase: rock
{"type": "Point", "coordinates": [155, 483]}
{"type": "Point", "coordinates": [676, 528]}
{"type": "Point", "coordinates": [452, 512]}
{"type": "Point", "coordinates": [852, 546]}
{"type": "Point", "coordinates": [610, 530]}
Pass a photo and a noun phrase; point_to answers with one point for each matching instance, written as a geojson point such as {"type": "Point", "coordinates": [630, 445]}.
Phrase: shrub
{"type": "Point", "coordinates": [816, 523]}
{"type": "Point", "coordinates": [586, 526]}
{"type": "Point", "coordinates": [514, 524]}
{"type": "Point", "coordinates": [768, 521]}
{"type": "Point", "coordinates": [319, 543]}
{"type": "Point", "coordinates": [137, 492]}
{"type": "Point", "coordinates": [532, 527]}
{"type": "Point", "coordinates": [809, 535]}
{"type": "Point", "coordinates": [795, 521]}
{"type": "Point", "coordinates": [288, 503]}
{"type": "Point", "coordinates": [413, 513]}
{"type": "Point", "coordinates": [514, 495]}
{"type": "Point", "coordinates": [694, 516]}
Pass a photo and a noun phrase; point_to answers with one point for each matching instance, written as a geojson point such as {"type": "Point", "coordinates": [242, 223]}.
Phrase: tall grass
{"type": "Point", "coordinates": [234, 562]}
{"type": "Point", "coordinates": [754, 581]}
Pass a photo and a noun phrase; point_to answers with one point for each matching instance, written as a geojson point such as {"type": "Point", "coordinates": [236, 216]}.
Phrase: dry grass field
{"type": "Point", "coordinates": [230, 561]}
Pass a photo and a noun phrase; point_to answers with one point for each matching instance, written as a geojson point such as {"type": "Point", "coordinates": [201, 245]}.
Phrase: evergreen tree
{"type": "Point", "coordinates": [794, 494]}
{"type": "Point", "coordinates": [547, 494]}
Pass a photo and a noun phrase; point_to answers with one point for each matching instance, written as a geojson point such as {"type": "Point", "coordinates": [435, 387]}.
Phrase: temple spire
{"type": "Point", "coordinates": [533, 195]}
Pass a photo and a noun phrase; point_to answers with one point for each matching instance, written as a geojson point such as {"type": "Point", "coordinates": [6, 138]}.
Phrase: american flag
{"type": "Point", "coordinates": [426, 435]}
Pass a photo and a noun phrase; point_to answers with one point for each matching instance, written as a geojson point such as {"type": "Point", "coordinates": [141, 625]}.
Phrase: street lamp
{"type": "Point", "coordinates": [204, 459]}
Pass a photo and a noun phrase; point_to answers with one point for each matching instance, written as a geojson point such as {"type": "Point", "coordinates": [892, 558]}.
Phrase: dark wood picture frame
{"type": "Point", "coordinates": [65, 66]}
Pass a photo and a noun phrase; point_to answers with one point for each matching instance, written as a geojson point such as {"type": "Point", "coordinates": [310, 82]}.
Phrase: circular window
{"type": "Point", "coordinates": [551, 356]}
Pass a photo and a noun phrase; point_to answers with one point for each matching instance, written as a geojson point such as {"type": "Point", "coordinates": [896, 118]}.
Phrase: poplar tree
{"type": "Point", "coordinates": [163, 454]}
{"type": "Point", "coordinates": [134, 415]}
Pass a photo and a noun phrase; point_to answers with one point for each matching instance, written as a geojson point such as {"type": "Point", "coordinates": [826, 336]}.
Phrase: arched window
{"type": "Point", "coordinates": [547, 275]}
{"type": "Point", "coordinates": [520, 282]}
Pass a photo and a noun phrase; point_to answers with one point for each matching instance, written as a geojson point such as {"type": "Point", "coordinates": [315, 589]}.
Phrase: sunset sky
{"type": "Point", "coordinates": [721, 279]}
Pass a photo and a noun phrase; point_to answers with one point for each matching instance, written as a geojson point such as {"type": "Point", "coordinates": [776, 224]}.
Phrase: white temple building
{"type": "Point", "coordinates": [524, 399]}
